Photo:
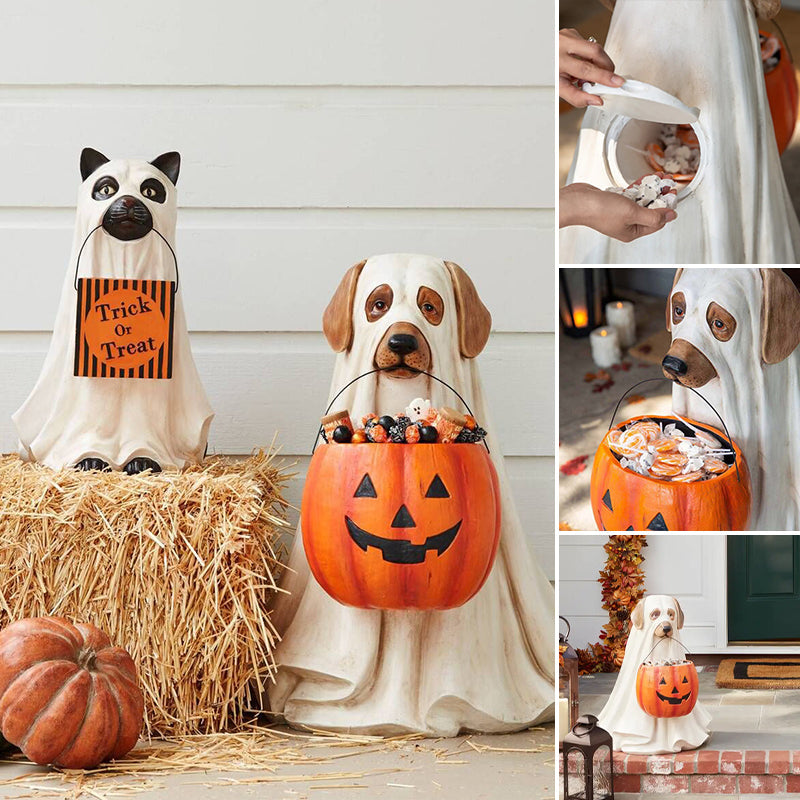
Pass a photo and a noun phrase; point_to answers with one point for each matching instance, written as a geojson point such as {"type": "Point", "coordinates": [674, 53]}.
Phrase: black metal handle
{"type": "Point", "coordinates": [722, 422]}
{"type": "Point", "coordinates": [662, 639]}
{"type": "Point", "coordinates": [80, 253]}
{"type": "Point", "coordinates": [338, 394]}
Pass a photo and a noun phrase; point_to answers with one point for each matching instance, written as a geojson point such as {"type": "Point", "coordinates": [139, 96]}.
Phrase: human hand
{"type": "Point", "coordinates": [611, 214]}
{"type": "Point", "coordinates": [581, 60]}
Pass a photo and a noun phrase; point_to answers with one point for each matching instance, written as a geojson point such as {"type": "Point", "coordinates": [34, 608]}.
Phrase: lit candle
{"type": "Point", "coordinates": [580, 318]}
{"type": "Point", "coordinates": [563, 718]}
{"type": "Point", "coordinates": [605, 347]}
{"type": "Point", "coordinates": [620, 316]}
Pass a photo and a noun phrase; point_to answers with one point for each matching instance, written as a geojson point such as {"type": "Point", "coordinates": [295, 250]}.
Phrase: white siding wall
{"type": "Point", "coordinates": [313, 134]}
{"type": "Point", "coordinates": [689, 567]}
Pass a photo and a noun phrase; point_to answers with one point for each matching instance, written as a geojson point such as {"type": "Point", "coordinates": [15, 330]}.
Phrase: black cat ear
{"type": "Point", "coordinates": [169, 164]}
{"type": "Point", "coordinates": [90, 161]}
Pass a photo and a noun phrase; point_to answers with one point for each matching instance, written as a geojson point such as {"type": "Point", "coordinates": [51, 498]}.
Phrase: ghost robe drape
{"type": "Point", "coordinates": [706, 53]}
{"type": "Point", "coordinates": [66, 418]}
{"type": "Point", "coordinates": [759, 402]}
{"type": "Point", "coordinates": [633, 730]}
{"type": "Point", "coordinates": [485, 666]}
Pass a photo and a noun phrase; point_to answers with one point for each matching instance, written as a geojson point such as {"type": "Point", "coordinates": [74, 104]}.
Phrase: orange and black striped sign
{"type": "Point", "coordinates": [124, 328]}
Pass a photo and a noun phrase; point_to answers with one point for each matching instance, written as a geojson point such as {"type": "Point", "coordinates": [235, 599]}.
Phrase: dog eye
{"type": "Point", "coordinates": [671, 614]}
{"type": "Point", "coordinates": [379, 305]}
{"type": "Point", "coordinates": [679, 311]}
{"type": "Point", "coordinates": [378, 302]}
{"type": "Point", "coordinates": [655, 613]}
{"type": "Point", "coordinates": [153, 190]}
{"type": "Point", "coordinates": [105, 187]}
{"type": "Point", "coordinates": [719, 324]}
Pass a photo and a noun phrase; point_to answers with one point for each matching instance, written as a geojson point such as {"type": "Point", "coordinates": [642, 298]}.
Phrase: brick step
{"type": "Point", "coordinates": [709, 772]}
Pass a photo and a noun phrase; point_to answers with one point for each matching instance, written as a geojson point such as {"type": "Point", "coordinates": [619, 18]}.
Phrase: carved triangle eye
{"type": "Point", "coordinates": [437, 488]}
{"type": "Point", "coordinates": [685, 679]}
{"type": "Point", "coordinates": [662, 682]}
{"type": "Point", "coordinates": [365, 488]}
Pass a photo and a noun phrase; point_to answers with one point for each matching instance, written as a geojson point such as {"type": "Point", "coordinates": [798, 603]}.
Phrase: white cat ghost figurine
{"type": "Point", "coordinates": [119, 388]}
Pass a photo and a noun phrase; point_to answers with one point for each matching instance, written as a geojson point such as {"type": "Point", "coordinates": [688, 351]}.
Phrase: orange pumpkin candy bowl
{"type": "Point", "coordinates": [623, 500]}
{"type": "Point", "coordinates": [396, 526]}
{"type": "Point", "coordinates": [67, 697]}
{"type": "Point", "coordinates": [667, 690]}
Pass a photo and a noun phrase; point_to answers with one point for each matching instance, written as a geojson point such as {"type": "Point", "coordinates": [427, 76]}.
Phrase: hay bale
{"type": "Point", "coordinates": [180, 569]}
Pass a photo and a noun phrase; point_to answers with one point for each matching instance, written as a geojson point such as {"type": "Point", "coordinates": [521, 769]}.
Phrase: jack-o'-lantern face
{"type": "Point", "coordinates": [402, 551]}
{"type": "Point", "coordinates": [401, 526]}
{"type": "Point", "coordinates": [667, 690]}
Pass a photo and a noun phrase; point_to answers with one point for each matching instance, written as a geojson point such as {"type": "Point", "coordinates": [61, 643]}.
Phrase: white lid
{"type": "Point", "coordinates": [640, 100]}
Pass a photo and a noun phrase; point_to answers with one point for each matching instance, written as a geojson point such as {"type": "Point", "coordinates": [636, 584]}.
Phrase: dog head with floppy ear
{"type": "Point", "coordinates": [780, 312]}
{"type": "Point", "coordinates": [678, 613]}
{"type": "Point", "coordinates": [474, 319]}
{"type": "Point", "coordinates": [337, 321]}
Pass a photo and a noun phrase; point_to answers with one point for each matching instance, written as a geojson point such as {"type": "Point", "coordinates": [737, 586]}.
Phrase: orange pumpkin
{"type": "Point", "coordinates": [781, 89]}
{"type": "Point", "coordinates": [626, 501]}
{"type": "Point", "coordinates": [398, 526]}
{"type": "Point", "coordinates": [667, 690]}
{"type": "Point", "coordinates": [67, 697]}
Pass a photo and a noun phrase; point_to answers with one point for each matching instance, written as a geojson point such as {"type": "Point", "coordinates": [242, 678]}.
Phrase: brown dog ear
{"type": "Point", "coordinates": [637, 616]}
{"type": "Point", "coordinates": [679, 620]}
{"type": "Point", "coordinates": [337, 321]}
{"type": "Point", "coordinates": [474, 319]}
{"type": "Point", "coordinates": [678, 273]}
{"type": "Point", "coordinates": [780, 308]}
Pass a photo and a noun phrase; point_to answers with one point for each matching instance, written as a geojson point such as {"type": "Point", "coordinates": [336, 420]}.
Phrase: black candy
{"type": "Point", "coordinates": [428, 434]}
{"type": "Point", "coordinates": [342, 434]}
{"type": "Point", "coordinates": [386, 422]}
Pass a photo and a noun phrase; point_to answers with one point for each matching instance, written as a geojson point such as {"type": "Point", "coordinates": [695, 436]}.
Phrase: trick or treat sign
{"type": "Point", "coordinates": [124, 328]}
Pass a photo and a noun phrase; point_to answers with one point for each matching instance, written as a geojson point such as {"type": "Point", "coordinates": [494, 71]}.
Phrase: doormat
{"type": "Point", "coordinates": [759, 672]}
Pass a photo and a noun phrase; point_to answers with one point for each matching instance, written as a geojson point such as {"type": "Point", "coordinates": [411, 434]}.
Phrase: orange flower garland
{"type": "Point", "coordinates": [623, 586]}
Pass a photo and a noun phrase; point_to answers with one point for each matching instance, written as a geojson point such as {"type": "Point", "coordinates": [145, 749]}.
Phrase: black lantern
{"type": "Point", "coordinates": [568, 673]}
{"type": "Point", "coordinates": [588, 762]}
{"type": "Point", "coordinates": [582, 295]}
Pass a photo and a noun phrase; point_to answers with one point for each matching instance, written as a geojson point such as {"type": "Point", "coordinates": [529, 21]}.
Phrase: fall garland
{"type": "Point", "coordinates": [623, 586]}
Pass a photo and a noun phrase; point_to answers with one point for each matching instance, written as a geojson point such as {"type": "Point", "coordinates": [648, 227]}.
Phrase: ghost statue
{"type": "Point", "coordinates": [486, 665]}
{"type": "Point", "coordinates": [119, 388]}
{"type": "Point", "coordinates": [654, 621]}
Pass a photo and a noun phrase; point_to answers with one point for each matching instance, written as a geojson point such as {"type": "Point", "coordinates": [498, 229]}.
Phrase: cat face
{"type": "Point", "coordinates": [128, 217]}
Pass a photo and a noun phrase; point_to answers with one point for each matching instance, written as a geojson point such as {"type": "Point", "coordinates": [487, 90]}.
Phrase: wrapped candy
{"type": "Point", "coordinates": [338, 419]}
{"type": "Point", "coordinates": [651, 191]}
{"type": "Point", "coordinates": [666, 453]}
{"type": "Point", "coordinates": [676, 151]}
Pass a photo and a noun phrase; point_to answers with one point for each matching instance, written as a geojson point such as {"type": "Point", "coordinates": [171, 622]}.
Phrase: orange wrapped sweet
{"type": "Point", "coordinates": [666, 453]}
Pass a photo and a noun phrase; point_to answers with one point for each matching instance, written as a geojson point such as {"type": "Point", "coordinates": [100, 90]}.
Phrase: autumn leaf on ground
{"type": "Point", "coordinates": [589, 377]}
{"type": "Point", "coordinates": [574, 466]}
{"type": "Point", "coordinates": [601, 387]}
{"type": "Point", "coordinates": [636, 398]}
{"type": "Point", "coordinates": [565, 526]}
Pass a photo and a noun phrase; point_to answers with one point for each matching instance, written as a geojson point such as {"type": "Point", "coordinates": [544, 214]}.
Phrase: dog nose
{"type": "Point", "coordinates": [127, 201]}
{"type": "Point", "coordinates": [403, 343]}
{"type": "Point", "coordinates": [674, 365]}
{"type": "Point", "coordinates": [667, 628]}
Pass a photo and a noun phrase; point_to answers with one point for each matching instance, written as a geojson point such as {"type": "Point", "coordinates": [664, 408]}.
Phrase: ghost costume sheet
{"type": "Point", "coordinates": [706, 53]}
{"type": "Point", "coordinates": [758, 401]}
{"type": "Point", "coordinates": [486, 666]}
{"type": "Point", "coordinates": [66, 418]}
{"type": "Point", "coordinates": [633, 730]}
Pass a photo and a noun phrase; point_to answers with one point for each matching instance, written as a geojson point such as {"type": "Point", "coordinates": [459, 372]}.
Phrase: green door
{"type": "Point", "coordinates": [763, 588]}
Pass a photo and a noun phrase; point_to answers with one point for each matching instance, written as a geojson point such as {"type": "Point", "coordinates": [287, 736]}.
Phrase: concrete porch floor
{"type": "Point", "coordinates": [741, 719]}
{"type": "Point", "coordinates": [522, 764]}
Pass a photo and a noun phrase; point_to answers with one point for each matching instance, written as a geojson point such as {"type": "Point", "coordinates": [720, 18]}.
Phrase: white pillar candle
{"type": "Point", "coordinates": [605, 347]}
{"type": "Point", "coordinates": [620, 317]}
{"type": "Point", "coordinates": [563, 718]}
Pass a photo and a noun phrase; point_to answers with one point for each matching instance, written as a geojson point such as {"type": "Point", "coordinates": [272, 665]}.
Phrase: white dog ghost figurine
{"type": "Point", "coordinates": [735, 334]}
{"type": "Point", "coordinates": [653, 624]}
{"type": "Point", "coordinates": [146, 408]}
{"type": "Point", "coordinates": [484, 666]}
